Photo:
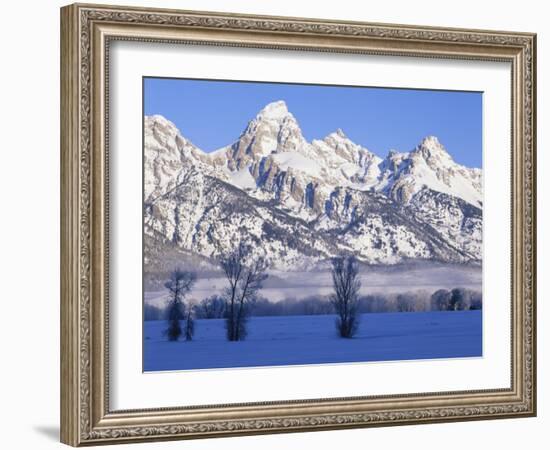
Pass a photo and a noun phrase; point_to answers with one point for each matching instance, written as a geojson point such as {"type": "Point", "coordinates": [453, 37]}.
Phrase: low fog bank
{"type": "Point", "coordinates": [416, 279]}
{"type": "Point", "coordinates": [457, 299]}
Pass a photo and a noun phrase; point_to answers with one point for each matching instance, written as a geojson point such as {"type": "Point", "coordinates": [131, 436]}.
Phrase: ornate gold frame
{"type": "Point", "coordinates": [86, 31]}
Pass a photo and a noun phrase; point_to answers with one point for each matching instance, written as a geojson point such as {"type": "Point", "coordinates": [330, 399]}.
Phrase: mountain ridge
{"type": "Point", "coordinates": [348, 199]}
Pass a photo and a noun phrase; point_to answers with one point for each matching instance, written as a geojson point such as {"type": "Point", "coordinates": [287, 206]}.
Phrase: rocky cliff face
{"type": "Point", "coordinates": [297, 203]}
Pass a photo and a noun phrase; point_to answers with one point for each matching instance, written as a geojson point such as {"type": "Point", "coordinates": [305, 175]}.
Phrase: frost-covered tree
{"type": "Point", "coordinates": [476, 300]}
{"type": "Point", "coordinates": [244, 282]}
{"type": "Point", "coordinates": [460, 299]}
{"type": "Point", "coordinates": [441, 300]}
{"type": "Point", "coordinates": [345, 280]}
{"type": "Point", "coordinates": [406, 302]}
{"type": "Point", "coordinates": [189, 325]}
{"type": "Point", "coordinates": [457, 299]}
{"type": "Point", "coordinates": [373, 303]}
{"type": "Point", "coordinates": [180, 283]}
{"type": "Point", "coordinates": [212, 307]}
{"type": "Point", "coordinates": [151, 312]}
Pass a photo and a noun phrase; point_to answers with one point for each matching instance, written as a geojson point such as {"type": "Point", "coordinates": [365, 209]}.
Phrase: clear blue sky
{"type": "Point", "coordinates": [213, 114]}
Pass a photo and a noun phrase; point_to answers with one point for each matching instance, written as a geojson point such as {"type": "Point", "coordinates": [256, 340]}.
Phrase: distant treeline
{"type": "Point", "coordinates": [457, 299]}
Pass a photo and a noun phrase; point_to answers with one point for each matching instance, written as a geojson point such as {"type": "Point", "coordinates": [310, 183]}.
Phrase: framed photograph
{"type": "Point", "coordinates": [279, 224]}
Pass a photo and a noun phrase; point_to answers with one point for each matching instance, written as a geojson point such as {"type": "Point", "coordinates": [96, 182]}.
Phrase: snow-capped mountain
{"type": "Point", "coordinates": [298, 202]}
{"type": "Point", "coordinates": [429, 164]}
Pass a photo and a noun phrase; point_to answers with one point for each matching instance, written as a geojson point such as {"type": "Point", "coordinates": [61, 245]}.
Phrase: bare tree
{"type": "Point", "coordinates": [251, 282]}
{"type": "Point", "coordinates": [179, 284]}
{"type": "Point", "coordinates": [245, 280]}
{"type": "Point", "coordinates": [232, 267]}
{"type": "Point", "coordinates": [345, 301]}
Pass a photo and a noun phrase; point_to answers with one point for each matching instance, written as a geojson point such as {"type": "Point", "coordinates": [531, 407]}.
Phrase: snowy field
{"type": "Point", "coordinates": [291, 340]}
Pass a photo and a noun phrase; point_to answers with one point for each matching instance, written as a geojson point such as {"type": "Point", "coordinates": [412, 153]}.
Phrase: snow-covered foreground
{"type": "Point", "coordinates": [290, 340]}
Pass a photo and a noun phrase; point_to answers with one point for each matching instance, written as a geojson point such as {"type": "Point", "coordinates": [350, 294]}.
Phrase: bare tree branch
{"type": "Point", "coordinates": [244, 282]}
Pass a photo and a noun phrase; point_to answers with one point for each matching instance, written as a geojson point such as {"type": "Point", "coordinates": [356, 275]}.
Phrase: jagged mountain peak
{"type": "Point", "coordinates": [431, 141]}
{"type": "Point", "coordinates": [167, 134]}
{"type": "Point", "coordinates": [393, 160]}
{"type": "Point", "coordinates": [274, 119]}
{"type": "Point", "coordinates": [339, 133]}
{"type": "Point", "coordinates": [277, 110]}
{"type": "Point", "coordinates": [430, 165]}
{"type": "Point", "coordinates": [300, 201]}
{"type": "Point", "coordinates": [396, 155]}
{"type": "Point", "coordinates": [161, 123]}
{"type": "Point", "coordinates": [431, 148]}
{"type": "Point", "coordinates": [273, 130]}
{"type": "Point", "coordinates": [344, 147]}
{"type": "Point", "coordinates": [339, 136]}
{"type": "Point", "coordinates": [272, 151]}
{"type": "Point", "coordinates": [158, 118]}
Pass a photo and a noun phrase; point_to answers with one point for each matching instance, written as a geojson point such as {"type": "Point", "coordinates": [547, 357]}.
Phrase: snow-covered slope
{"type": "Point", "coordinates": [428, 165]}
{"type": "Point", "coordinates": [298, 202]}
